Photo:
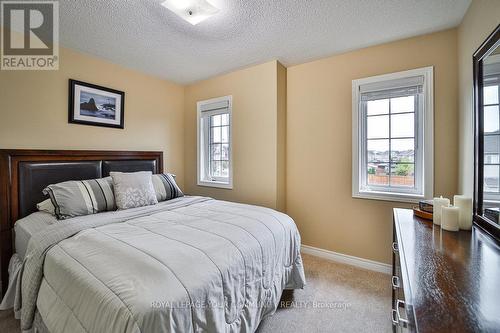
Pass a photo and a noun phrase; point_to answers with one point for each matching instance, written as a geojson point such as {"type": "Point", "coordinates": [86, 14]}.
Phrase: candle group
{"type": "Point", "coordinates": [464, 203]}
{"type": "Point", "coordinates": [449, 218]}
{"type": "Point", "coordinates": [438, 204]}
{"type": "Point", "coordinates": [455, 217]}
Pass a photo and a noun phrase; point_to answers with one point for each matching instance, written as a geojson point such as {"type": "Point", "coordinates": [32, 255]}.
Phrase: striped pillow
{"type": "Point", "coordinates": [165, 187]}
{"type": "Point", "coordinates": [76, 198]}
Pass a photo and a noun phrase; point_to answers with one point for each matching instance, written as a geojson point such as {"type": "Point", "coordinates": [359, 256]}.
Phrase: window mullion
{"type": "Point", "coordinates": [418, 133]}
{"type": "Point", "coordinates": [208, 153]}
{"type": "Point", "coordinates": [365, 143]}
{"type": "Point", "coordinates": [498, 107]}
{"type": "Point", "coordinates": [390, 143]}
{"type": "Point", "coordinates": [211, 172]}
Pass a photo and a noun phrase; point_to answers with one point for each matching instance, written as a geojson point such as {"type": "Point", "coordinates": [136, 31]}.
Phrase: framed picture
{"type": "Point", "coordinates": [90, 104]}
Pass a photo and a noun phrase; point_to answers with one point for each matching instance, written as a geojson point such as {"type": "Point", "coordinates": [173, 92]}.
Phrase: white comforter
{"type": "Point", "coordinates": [187, 265]}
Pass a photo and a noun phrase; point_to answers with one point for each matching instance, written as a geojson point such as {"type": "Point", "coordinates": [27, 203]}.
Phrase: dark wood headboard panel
{"type": "Point", "coordinates": [14, 163]}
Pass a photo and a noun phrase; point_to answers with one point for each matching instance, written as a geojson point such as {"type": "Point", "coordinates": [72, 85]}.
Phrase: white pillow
{"type": "Point", "coordinates": [133, 189]}
{"type": "Point", "coordinates": [46, 206]}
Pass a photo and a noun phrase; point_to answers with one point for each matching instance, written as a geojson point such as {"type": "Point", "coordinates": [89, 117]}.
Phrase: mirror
{"type": "Point", "coordinates": [487, 134]}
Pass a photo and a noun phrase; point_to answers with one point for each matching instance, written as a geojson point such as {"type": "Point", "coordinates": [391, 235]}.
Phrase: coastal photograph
{"type": "Point", "coordinates": [95, 105]}
{"type": "Point", "coordinates": [99, 106]}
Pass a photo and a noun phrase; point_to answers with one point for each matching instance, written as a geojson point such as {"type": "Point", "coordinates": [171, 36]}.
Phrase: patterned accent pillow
{"type": "Point", "coordinates": [165, 187]}
{"type": "Point", "coordinates": [76, 198]}
{"type": "Point", "coordinates": [133, 189]}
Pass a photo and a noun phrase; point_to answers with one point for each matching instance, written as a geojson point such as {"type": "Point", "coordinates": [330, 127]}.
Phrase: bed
{"type": "Point", "coordinates": [191, 264]}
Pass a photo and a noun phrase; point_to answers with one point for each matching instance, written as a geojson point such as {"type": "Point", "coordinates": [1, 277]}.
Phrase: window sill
{"type": "Point", "coordinates": [227, 186]}
{"type": "Point", "coordinates": [392, 197]}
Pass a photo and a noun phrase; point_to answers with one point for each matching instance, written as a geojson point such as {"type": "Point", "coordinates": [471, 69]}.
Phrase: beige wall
{"type": "Point", "coordinates": [255, 134]}
{"type": "Point", "coordinates": [319, 124]}
{"type": "Point", "coordinates": [34, 110]}
{"type": "Point", "coordinates": [479, 21]}
{"type": "Point", "coordinates": [281, 138]}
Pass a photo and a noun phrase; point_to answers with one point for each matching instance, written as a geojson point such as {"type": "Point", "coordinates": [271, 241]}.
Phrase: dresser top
{"type": "Point", "coordinates": [451, 279]}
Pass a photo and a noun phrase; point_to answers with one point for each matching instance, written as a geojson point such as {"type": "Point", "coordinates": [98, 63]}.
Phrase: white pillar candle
{"type": "Point", "coordinates": [438, 203]}
{"type": "Point", "coordinates": [464, 203]}
{"type": "Point", "coordinates": [449, 218]}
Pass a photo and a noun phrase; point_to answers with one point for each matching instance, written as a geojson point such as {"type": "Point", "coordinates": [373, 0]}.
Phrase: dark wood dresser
{"type": "Point", "coordinates": [443, 281]}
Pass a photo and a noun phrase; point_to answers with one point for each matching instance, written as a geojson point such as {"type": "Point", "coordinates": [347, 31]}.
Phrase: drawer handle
{"type": "Point", "coordinates": [395, 282]}
{"type": "Point", "coordinates": [396, 317]}
{"type": "Point", "coordinates": [395, 247]}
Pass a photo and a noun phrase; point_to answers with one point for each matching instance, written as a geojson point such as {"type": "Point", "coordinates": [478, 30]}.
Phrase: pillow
{"type": "Point", "coordinates": [76, 198]}
{"type": "Point", "coordinates": [165, 187]}
{"type": "Point", "coordinates": [46, 206]}
{"type": "Point", "coordinates": [133, 189]}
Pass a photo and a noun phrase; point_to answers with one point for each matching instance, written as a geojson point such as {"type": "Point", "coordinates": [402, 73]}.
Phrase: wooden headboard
{"type": "Point", "coordinates": [24, 173]}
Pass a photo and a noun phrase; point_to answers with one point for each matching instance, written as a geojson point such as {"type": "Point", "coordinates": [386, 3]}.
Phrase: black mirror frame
{"type": "Point", "coordinates": [482, 52]}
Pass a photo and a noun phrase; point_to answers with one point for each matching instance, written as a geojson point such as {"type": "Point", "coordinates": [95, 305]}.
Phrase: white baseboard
{"type": "Point", "coordinates": [347, 259]}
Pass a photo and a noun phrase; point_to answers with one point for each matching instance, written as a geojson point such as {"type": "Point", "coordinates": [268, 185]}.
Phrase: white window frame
{"type": "Point", "coordinates": [202, 144]}
{"type": "Point", "coordinates": [424, 137]}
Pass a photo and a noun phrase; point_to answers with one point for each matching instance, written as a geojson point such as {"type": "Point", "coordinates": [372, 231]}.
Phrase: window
{"type": "Point", "coordinates": [393, 136]}
{"type": "Point", "coordinates": [214, 143]}
{"type": "Point", "coordinates": [491, 94]}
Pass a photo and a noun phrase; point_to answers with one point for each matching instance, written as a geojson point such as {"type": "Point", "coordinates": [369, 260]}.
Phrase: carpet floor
{"type": "Point", "coordinates": [337, 298]}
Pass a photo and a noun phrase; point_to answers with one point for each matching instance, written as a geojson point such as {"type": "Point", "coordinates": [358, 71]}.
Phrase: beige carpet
{"type": "Point", "coordinates": [337, 298]}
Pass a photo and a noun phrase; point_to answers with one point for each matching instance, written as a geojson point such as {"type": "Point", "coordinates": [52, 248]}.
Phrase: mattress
{"type": "Point", "coordinates": [26, 227]}
{"type": "Point", "coordinates": [191, 264]}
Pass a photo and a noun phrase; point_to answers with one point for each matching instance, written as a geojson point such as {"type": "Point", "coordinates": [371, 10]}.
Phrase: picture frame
{"type": "Point", "coordinates": [90, 104]}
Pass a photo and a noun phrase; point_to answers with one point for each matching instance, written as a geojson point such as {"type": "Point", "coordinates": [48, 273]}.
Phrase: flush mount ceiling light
{"type": "Point", "coordinates": [193, 11]}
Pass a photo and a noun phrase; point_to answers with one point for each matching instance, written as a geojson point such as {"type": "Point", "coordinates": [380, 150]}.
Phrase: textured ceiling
{"type": "Point", "coordinates": [143, 35]}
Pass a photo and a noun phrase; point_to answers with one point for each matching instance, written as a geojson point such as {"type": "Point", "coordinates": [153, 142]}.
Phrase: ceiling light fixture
{"type": "Point", "coordinates": [193, 11]}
